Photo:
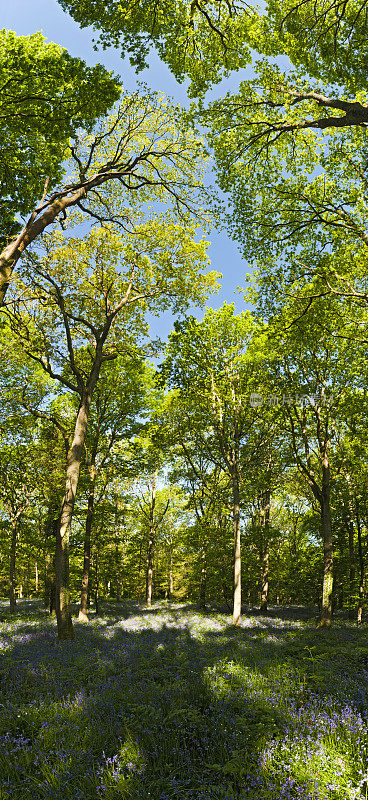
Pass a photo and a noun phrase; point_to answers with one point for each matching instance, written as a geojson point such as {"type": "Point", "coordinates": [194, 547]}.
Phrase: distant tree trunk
{"type": "Point", "coordinates": [96, 582]}
{"type": "Point", "coordinates": [119, 557]}
{"type": "Point", "coordinates": [150, 565]}
{"type": "Point", "coordinates": [138, 591]}
{"type": "Point", "coordinates": [151, 543]}
{"type": "Point", "coordinates": [171, 574]}
{"type": "Point", "coordinates": [265, 521]}
{"type": "Point", "coordinates": [237, 552]}
{"type": "Point", "coordinates": [83, 608]}
{"type": "Point", "coordinates": [52, 602]}
{"type": "Point", "coordinates": [351, 558]}
{"type": "Point", "coordinates": [13, 555]}
{"type": "Point", "coordinates": [326, 610]}
{"type": "Point", "coordinates": [119, 570]}
{"type": "Point", "coordinates": [278, 571]}
{"type": "Point", "coordinates": [203, 582]}
{"type": "Point", "coordinates": [63, 608]}
{"type": "Point", "coordinates": [36, 577]}
{"type": "Point", "coordinates": [170, 585]}
{"type": "Point", "coordinates": [361, 565]}
{"type": "Point", "coordinates": [27, 579]}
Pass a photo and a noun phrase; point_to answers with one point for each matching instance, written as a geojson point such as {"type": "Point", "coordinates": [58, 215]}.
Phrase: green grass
{"type": "Point", "coordinates": [172, 704]}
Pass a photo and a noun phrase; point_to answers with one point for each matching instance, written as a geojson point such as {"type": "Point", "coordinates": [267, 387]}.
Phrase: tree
{"type": "Point", "coordinates": [18, 490]}
{"type": "Point", "coordinates": [212, 364]}
{"type": "Point", "coordinates": [204, 41]}
{"type": "Point", "coordinates": [141, 150]}
{"type": "Point", "coordinates": [118, 400]}
{"type": "Point", "coordinates": [202, 479]}
{"type": "Point", "coordinates": [326, 40]}
{"type": "Point", "coordinates": [46, 95]}
{"type": "Point", "coordinates": [84, 286]}
{"type": "Point", "coordinates": [312, 373]}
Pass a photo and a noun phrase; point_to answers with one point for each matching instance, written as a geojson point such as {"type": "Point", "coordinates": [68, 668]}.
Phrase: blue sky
{"type": "Point", "coordinates": [26, 17]}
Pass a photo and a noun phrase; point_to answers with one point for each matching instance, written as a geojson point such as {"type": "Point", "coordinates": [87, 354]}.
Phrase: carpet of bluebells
{"type": "Point", "coordinates": [170, 703]}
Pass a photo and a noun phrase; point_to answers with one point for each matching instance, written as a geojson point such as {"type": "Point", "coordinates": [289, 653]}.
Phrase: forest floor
{"type": "Point", "coordinates": [171, 703]}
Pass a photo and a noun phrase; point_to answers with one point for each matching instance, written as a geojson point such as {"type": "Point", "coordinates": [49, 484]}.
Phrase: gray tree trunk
{"type": "Point", "coordinates": [237, 552]}
{"type": "Point", "coordinates": [151, 544]}
{"type": "Point", "coordinates": [203, 583]}
{"type": "Point", "coordinates": [63, 608]}
{"type": "Point", "coordinates": [361, 565]}
{"type": "Point", "coordinates": [83, 608]}
{"type": "Point", "coordinates": [150, 563]}
{"type": "Point", "coordinates": [13, 555]}
{"type": "Point", "coordinates": [171, 573]}
{"type": "Point", "coordinates": [326, 611]}
{"type": "Point", "coordinates": [265, 552]}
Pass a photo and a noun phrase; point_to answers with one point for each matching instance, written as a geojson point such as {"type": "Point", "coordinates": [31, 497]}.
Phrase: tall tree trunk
{"type": "Point", "coordinates": [138, 591]}
{"type": "Point", "coordinates": [237, 553]}
{"type": "Point", "coordinates": [27, 579]}
{"type": "Point", "coordinates": [150, 562]}
{"type": "Point", "coordinates": [351, 558]}
{"type": "Point", "coordinates": [97, 578]}
{"type": "Point", "coordinates": [170, 586]}
{"type": "Point", "coordinates": [151, 543]}
{"type": "Point", "coordinates": [119, 570]}
{"type": "Point", "coordinates": [36, 577]}
{"type": "Point", "coordinates": [265, 551]}
{"type": "Point", "coordinates": [171, 573]}
{"type": "Point", "coordinates": [203, 583]}
{"type": "Point", "coordinates": [13, 554]}
{"type": "Point", "coordinates": [361, 565]}
{"type": "Point", "coordinates": [326, 611]}
{"type": "Point", "coordinates": [83, 608]}
{"type": "Point", "coordinates": [63, 608]}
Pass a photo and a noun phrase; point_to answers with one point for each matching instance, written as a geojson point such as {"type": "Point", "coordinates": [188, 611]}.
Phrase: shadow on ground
{"type": "Point", "coordinates": [155, 703]}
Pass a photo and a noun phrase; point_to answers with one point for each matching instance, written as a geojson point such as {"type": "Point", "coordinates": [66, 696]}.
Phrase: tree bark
{"type": "Point", "coordinates": [120, 558]}
{"type": "Point", "coordinates": [237, 552]}
{"type": "Point", "coordinates": [13, 555]}
{"type": "Point", "coordinates": [265, 551]}
{"type": "Point", "coordinates": [63, 609]}
{"type": "Point", "coordinates": [34, 227]}
{"type": "Point", "coordinates": [171, 574]}
{"type": "Point", "coordinates": [83, 608]}
{"type": "Point", "coordinates": [326, 611]}
{"type": "Point", "coordinates": [351, 558]}
{"type": "Point", "coordinates": [119, 569]}
{"type": "Point", "coordinates": [203, 583]}
{"type": "Point", "coordinates": [361, 565]}
{"type": "Point", "coordinates": [151, 544]}
{"type": "Point", "coordinates": [150, 557]}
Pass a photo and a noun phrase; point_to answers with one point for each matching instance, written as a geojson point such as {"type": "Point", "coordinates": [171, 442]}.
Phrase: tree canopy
{"type": "Point", "coordinates": [46, 95]}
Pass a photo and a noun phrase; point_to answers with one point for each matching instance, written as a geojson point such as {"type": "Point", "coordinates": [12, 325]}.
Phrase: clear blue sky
{"type": "Point", "coordinates": [26, 17]}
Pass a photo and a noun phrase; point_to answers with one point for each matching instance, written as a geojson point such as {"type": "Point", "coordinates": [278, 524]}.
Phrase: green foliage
{"type": "Point", "coordinates": [46, 95]}
{"type": "Point", "coordinates": [205, 42]}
